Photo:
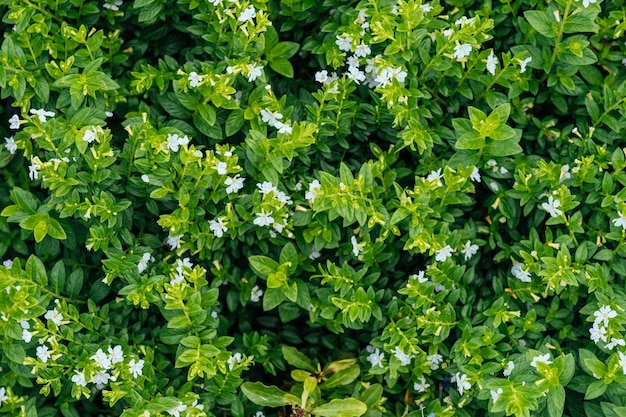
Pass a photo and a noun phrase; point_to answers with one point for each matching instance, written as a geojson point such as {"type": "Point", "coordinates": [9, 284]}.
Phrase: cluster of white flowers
{"type": "Point", "coordinates": [520, 273]}
{"type": "Point", "coordinates": [174, 142]}
{"type": "Point", "coordinates": [405, 359]}
{"type": "Point", "coordinates": [179, 275]}
{"type": "Point", "coordinates": [435, 360]}
{"type": "Point", "coordinates": [42, 114]}
{"type": "Point", "coordinates": [10, 145]}
{"type": "Point", "coordinates": [599, 329]}
{"type": "Point", "coordinates": [234, 184]}
{"type": "Point", "coordinates": [174, 242]}
{"type": "Point", "coordinates": [273, 119]}
{"type": "Point", "coordinates": [495, 394]}
{"type": "Point", "coordinates": [218, 227]}
{"type": "Point", "coordinates": [462, 382]}
{"type": "Point", "coordinates": [541, 358]}
{"type": "Point", "coordinates": [375, 357]}
{"type": "Point", "coordinates": [194, 79]}
{"type": "Point", "coordinates": [234, 360]}
{"type": "Point", "coordinates": [444, 253]}
{"type": "Point", "coordinates": [26, 334]}
{"type": "Point", "coordinates": [247, 14]}
{"type": "Point", "coordinates": [256, 294]}
{"type": "Point", "coordinates": [265, 218]}
{"type": "Point", "coordinates": [254, 71]}
{"type": "Point", "coordinates": [143, 263]}
{"type": "Point", "coordinates": [325, 79]}
{"type": "Point", "coordinates": [105, 362]}
{"type": "Point", "coordinates": [552, 207]}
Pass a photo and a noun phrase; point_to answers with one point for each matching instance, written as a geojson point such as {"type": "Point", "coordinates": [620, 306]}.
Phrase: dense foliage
{"type": "Point", "coordinates": [292, 208]}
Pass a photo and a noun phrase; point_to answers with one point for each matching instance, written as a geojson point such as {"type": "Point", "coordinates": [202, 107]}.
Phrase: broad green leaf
{"type": "Point", "coordinates": [263, 265]}
{"type": "Point", "coordinates": [282, 66]}
{"type": "Point", "coordinates": [470, 140]}
{"type": "Point", "coordinates": [503, 148]}
{"type": "Point", "coordinates": [297, 359]}
{"type": "Point", "coordinates": [595, 389]}
{"type": "Point", "coordinates": [348, 407]}
{"type": "Point", "coordinates": [267, 396]}
{"type": "Point", "coordinates": [343, 377]}
{"type": "Point", "coordinates": [543, 22]}
{"type": "Point", "coordinates": [556, 401]}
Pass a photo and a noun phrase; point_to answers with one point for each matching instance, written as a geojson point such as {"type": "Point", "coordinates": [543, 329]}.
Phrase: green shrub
{"type": "Point", "coordinates": [296, 208]}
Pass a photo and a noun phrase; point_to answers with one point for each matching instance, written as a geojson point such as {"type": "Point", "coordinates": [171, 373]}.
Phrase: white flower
{"type": "Point", "coordinates": [401, 356]}
{"type": "Point", "coordinates": [344, 43]}
{"type": "Point", "coordinates": [283, 128]}
{"type": "Point", "coordinates": [615, 342]}
{"type": "Point", "coordinates": [33, 169]}
{"type": "Point", "coordinates": [14, 122]}
{"type": "Point", "coordinates": [174, 242]}
{"type": "Point", "coordinates": [356, 247]}
{"type": "Point", "coordinates": [54, 316]}
{"type": "Point", "coordinates": [314, 254]}
{"type": "Point", "coordinates": [113, 5]}
{"type": "Point", "coordinates": [522, 64]}
{"type": "Point", "coordinates": [435, 176]}
{"type": "Point", "coordinates": [448, 32]}
{"type": "Point", "coordinates": [174, 142]}
{"type": "Point", "coordinates": [518, 272]}
{"type": "Point", "coordinates": [435, 360]}
{"type": "Point", "coordinates": [362, 19]}
{"type": "Point", "coordinates": [362, 50]}
{"type": "Point", "coordinates": [266, 187]}
{"type": "Point", "coordinates": [463, 383]}
{"type": "Point", "coordinates": [218, 227]}
{"type": "Point", "coordinates": [8, 263]}
{"type": "Point", "coordinates": [376, 358]}
{"type": "Point", "coordinates": [256, 294]}
{"type": "Point", "coordinates": [143, 263]}
{"type": "Point", "coordinates": [426, 8]}
{"type": "Point", "coordinates": [353, 61]}
{"type": "Point", "coordinates": [177, 410]}
{"type": "Point", "coordinates": [597, 333]}
{"type": "Point", "coordinates": [541, 358]}
{"type": "Point", "coordinates": [621, 220]}
{"type": "Point", "coordinates": [321, 76]}
{"type": "Point", "coordinates": [222, 168]}
{"type": "Point", "coordinates": [234, 360]}
{"type": "Point", "coordinates": [509, 368]}
{"type": "Point", "coordinates": [551, 207]}
{"type": "Point", "coordinates": [3, 395]}
{"type": "Point", "coordinates": [42, 114]}
{"type": "Point", "coordinates": [145, 178]}
{"type": "Point", "coordinates": [43, 353]}
{"type": "Point", "coordinates": [475, 175]}
{"type": "Point", "coordinates": [194, 79]}
{"type": "Point", "coordinates": [420, 277]}
{"type": "Point", "coordinates": [264, 219]}
{"type": "Point", "coordinates": [496, 394]}
{"type": "Point", "coordinates": [10, 145]}
{"type": "Point", "coordinates": [586, 3]}
{"type": "Point", "coordinates": [90, 135]}
{"type": "Point", "coordinates": [464, 20]}
{"type": "Point", "coordinates": [27, 336]}
{"type": "Point", "coordinates": [469, 250]}
{"type": "Point", "coordinates": [492, 61]}
{"type": "Point", "coordinates": [102, 378]}
{"type": "Point", "coordinates": [234, 184]}
{"type": "Point", "coordinates": [604, 314]}
{"type": "Point", "coordinates": [108, 114]}
{"type": "Point", "coordinates": [462, 50]}
{"type": "Point", "coordinates": [79, 379]}
{"type": "Point", "coordinates": [421, 386]}
{"type": "Point", "coordinates": [135, 368]}
{"type": "Point", "coordinates": [259, 414]}
{"type": "Point", "coordinates": [314, 186]}
{"type": "Point", "coordinates": [622, 361]}
{"type": "Point", "coordinates": [116, 354]}
{"type": "Point", "coordinates": [444, 253]}
{"type": "Point", "coordinates": [102, 359]}
{"type": "Point", "coordinates": [270, 117]}
{"type": "Point", "coordinates": [247, 14]}
{"type": "Point", "coordinates": [254, 72]}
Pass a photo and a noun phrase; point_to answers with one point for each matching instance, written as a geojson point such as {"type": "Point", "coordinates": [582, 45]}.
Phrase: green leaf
{"type": "Point", "coordinates": [74, 283]}
{"type": "Point", "coordinates": [267, 396]}
{"type": "Point", "coordinates": [26, 200]}
{"type": "Point", "coordinates": [282, 66]}
{"type": "Point", "coordinates": [343, 377]}
{"type": "Point", "coordinates": [263, 265]}
{"type": "Point", "coordinates": [234, 122]}
{"type": "Point", "coordinates": [470, 140]}
{"type": "Point", "coordinates": [503, 148]}
{"type": "Point", "coordinates": [55, 230]}
{"type": "Point", "coordinates": [503, 132]}
{"type": "Point", "coordinates": [207, 112]}
{"type": "Point", "coordinates": [476, 117]}
{"type": "Point", "coordinates": [556, 401]}
{"type": "Point", "coordinates": [36, 270]}
{"type": "Point", "coordinates": [283, 50]}
{"type": "Point", "coordinates": [289, 254]}
{"type": "Point", "coordinates": [348, 407]}
{"type": "Point", "coordinates": [595, 389]}
{"type": "Point", "coordinates": [297, 359]}
{"type": "Point", "coordinates": [272, 298]}
{"type": "Point", "coordinates": [57, 277]}
{"type": "Point", "coordinates": [543, 22]}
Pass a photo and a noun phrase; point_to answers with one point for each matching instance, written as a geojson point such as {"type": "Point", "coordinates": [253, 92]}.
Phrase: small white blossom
{"type": "Point", "coordinates": [520, 273]}
{"type": "Point", "coordinates": [218, 227]}
{"type": "Point", "coordinates": [615, 342]}
{"type": "Point", "coordinates": [102, 377]}
{"type": "Point", "coordinates": [143, 263]}
{"type": "Point", "coordinates": [270, 117]}
{"type": "Point", "coordinates": [622, 361]}
{"type": "Point", "coordinates": [426, 8]}
{"type": "Point", "coordinates": [356, 247]}
{"type": "Point", "coordinates": [448, 32]}
{"type": "Point", "coordinates": [444, 253]}
{"type": "Point", "coordinates": [597, 333]}
{"type": "Point", "coordinates": [54, 316]}
{"type": "Point", "coordinates": [435, 176]}
{"type": "Point", "coordinates": [420, 277]}
{"type": "Point", "coordinates": [27, 336]}
{"type": "Point", "coordinates": [3, 395]}
{"type": "Point", "coordinates": [145, 178]}
{"type": "Point", "coordinates": [541, 358]}
{"type": "Point", "coordinates": [344, 43]}
{"type": "Point", "coordinates": [421, 386]}
{"type": "Point", "coordinates": [375, 358]}
{"type": "Point", "coordinates": [362, 50]}
{"type": "Point", "coordinates": [523, 63]}
{"type": "Point", "coordinates": [221, 168]}
{"type": "Point", "coordinates": [475, 175]}
{"type": "Point", "coordinates": [79, 379]}
{"type": "Point", "coordinates": [113, 5]}
{"type": "Point", "coordinates": [314, 254]}
{"type": "Point", "coordinates": [621, 220]}
{"type": "Point", "coordinates": [254, 72]}
{"type": "Point", "coordinates": [266, 187]}
{"type": "Point", "coordinates": [264, 219]}
{"type": "Point", "coordinates": [14, 122]}
{"type": "Point", "coordinates": [464, 20]}
{"type": "Point", "coordinates": [42, 114]}
{"type": "Point", "coordinates": [174, 242]}
{"type": "Point", "coordinates": [314, 186]}
{"type": "Point", "coordinates": [356, 75]}
{"type": "Point", "coordinates": [247, 14]}
{"type": "Point", "coordinates": [496, 394]}
{"type": "Point", "coordinates": [234, 184]}
{"type": "Point", "coordinates": [194, 79]}
{"type": "Point", "coordinates": [462, 50]}
{"type": "Point", "coordinates": [435, 360]}
{"type": "Point", "coordinates": [586, 3]}
{"type": "Point", "coordinates": [469, 250]}
{"type": "Point", "coordinates": [10, 145]}
{"type": "Point", "coordinates": [8, 263]}
{"type": "Point", "coordinates": [256, 294]}
{"type": "Point", "coordinates": [43, 353]}
{"type": "Point", "coordinates": [604, 315]}
{"type": "Point", "coordinates": [116, 354]}
{"type": "Point", "coordinates": [33, 169]}
{"type": "Point", "coordinates": [234, 360]}
{"type": "Point", "coordinates": [90, 135]}
{"type": "Point", "coordinates": [283, 128]}
{"type": "Point", "coordinates": [509, 368]}
{"type": "Point", "coordinates": [177, 410]}
{"type": "Point", "coordinates": [136, 368]}
{"type": "Point", "coordinates": [174, 142]}
{"type": "Point", "coordinates": [552, 207]}
{"type": "Point", "coordinates": [401, 356]}
{"type": "Point", "coordinates": [102, 359]}
{"type": "Point", "coordinates": [259, 414]}
{"type": "Point", "coordinates": [462, 383]}
{"type": "Point", "coordinates": [492, 62]}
